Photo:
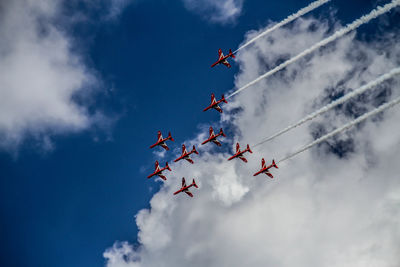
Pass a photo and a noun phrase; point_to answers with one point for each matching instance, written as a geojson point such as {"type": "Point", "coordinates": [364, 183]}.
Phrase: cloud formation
{"type": "Point", "coordinates": [216, 11]}
{"type": "Point", "coordinates": [336, 205]}
{"type": "Point", "coordinates": [116, 7]}
{"type": "Point", "coordinates": [44, 84]}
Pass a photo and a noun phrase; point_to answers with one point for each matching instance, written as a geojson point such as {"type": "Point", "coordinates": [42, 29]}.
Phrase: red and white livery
{"type": "Point", "coordinates": [161, 141]}
{"type": "Point", "coordinates": [239, 153]}
{"type": "Point", "coordinates": [158, 171]}
{"type": "Point", "coordinates": [223, 59]}
{"type": "Point", "coordinates": [185, 188]}
{"type": "Point", "coordinates": [186, 155]}
{"type": "Point", "coordinates": [265, 168]}
{"type": "Point", "coordinates": [213, 137]}
{"type": "Point", "coordinates": [214, 103]}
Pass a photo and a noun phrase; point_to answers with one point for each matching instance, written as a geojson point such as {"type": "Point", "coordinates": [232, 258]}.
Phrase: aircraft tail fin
{"type": "Point", "coordinates": [170, 136]}
{"type": "Point", "coordinates": [223, 99]}
{"type": "Point", "coordinates": [194, 184]}
{"type": "Point", "coordinates": [221, 132]}
{"type": "Point", "coordinates": [167, 166]}
{"type": "Point", "coordinates": [274, 164]}
{"type": "Point", "coordinates": [248, 148]}
{"type": "Point", "coordinates": [231, 54]}
{"type": "Point", "coordinates": [194, 150]}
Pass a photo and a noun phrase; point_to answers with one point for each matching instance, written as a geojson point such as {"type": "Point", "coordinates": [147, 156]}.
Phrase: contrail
{"type": "Point", "coordinates": [344, 128]}
{"type": "Point", "coordinates": [289, 19]}
{"type": "Point", "coordinates": [335, 103]}
{"type": "Point", "coordinates": [354, 25]}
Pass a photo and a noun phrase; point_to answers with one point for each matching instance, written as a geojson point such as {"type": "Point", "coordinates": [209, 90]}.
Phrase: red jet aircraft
{"type": "Point", "coordinates": [223, 59]}
{"type": "Point", "coordinates": [213, 137]}
{"type": "Point", "coordinates": [214, 103]}
{"type": "Point", "coordinates": [161, 141]}
{"type": "Point", "coordinates": [186, 155]}
{"type": "Point", "coordinates": [185, 188]}
{"type": "Point", "coordinates": [265, 169]}
{"type": "Point", "coordinates": [159, 171]}
{"type": "Point", "coordinates": [239, 154]}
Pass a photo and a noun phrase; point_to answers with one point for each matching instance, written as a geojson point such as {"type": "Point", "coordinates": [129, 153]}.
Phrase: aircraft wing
{"type": "Point", "coordinates": [157, 166]}
{"type": "Point", "coordinates": [269, 174]}
{"type": "Point", "coordinates": [162, 177]}
{"type": "Point", "coordinates": [237, 148]}
{"type": "Point", "coordinates": [218, 108]}
{"type": "Point", "coordinates": [226, 63]}
{"type": "Point", "coordinates": [242, 158]}
{"type": "Point", "coordinates": [220, 54]}
{"type": "Point", "coordinates": [163, 145]}
{"type": "Point", "coordinates": [213, 100]}
{"type": "Point", "coordinates": [215, 141]}
{"type": "Point", "coordinates": [211, 132]}
{"type": "Point", "coordinates": [159, 136]}
{"type": "Point", "coordinates": [190, 160]}
{"type": "Point", "coordinates": [189, 193]}
{"type": "Point", "coordinates": [184, 151]}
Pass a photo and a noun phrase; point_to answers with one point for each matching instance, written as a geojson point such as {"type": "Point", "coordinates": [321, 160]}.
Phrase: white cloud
{"type": "Point", "coordinates": [41, 77]}
{"type": "Point", "coordinates": [217, 11]}
{"type": "Point", "coordinates": [320, 209]}
{"type": "Point", "coordinates": [116, 7]}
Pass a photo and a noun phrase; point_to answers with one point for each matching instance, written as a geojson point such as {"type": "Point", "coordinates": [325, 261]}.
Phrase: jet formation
{"type": "Point", "coordinates": [213, 138]}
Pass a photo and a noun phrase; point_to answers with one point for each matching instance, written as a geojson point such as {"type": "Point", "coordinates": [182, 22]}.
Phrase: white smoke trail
{"type": "Point", "coordinates": [289, 19]}
{"type": "Point", "coordinates": [335, 103]}
{"type": "Point", "coordinates": [344, 128]}
{"type": "Point", "coordinates": [354, 25]}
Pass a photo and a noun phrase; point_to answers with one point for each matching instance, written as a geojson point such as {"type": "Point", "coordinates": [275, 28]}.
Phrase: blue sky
{"type": "Point", "coordinates": [66, 205]}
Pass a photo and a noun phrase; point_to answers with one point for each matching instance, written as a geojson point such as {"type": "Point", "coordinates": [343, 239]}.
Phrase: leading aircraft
{"type": "Point", "coordinates": [158, 171]}
{"type": "Point", "coordinates": [239, 154]}
{"type": "Point", "coordinates": [223, 59]}
{"type": "Point", "coordinates": [186, 155]}
{"type": "Point", "coordinates": [265, 169]}
{"type": "Point", "coordinates": [161, 140]}
{"type": "Point", "coordinates": [214, 103]}
{"type": "Point", "coordinates": [185, 188]}
{"type": "Point", "coordinates": [213, 137]}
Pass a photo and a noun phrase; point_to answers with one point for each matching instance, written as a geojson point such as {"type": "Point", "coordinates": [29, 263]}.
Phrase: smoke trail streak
{"type": "Point", "coordinates": [344, 128]}
{"type": "Point", "coordinates": [354, 25]}
{"type": "Point", "coordinates": [335, 103]}
{"type": "Point", "coordinates": [289, 19]}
